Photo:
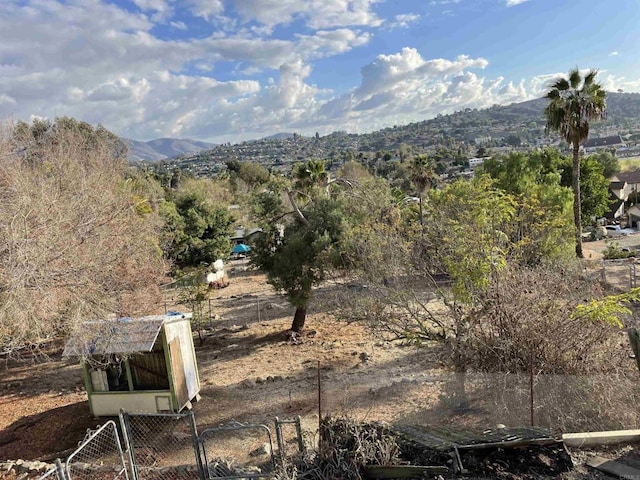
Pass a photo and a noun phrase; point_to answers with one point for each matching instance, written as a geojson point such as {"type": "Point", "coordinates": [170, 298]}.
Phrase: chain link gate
{"type": "Point", "coordinates": [162, 445]}
{"type": "Point", "coordinates": [99, 456]}
{"type": "Point", "coordinates": [237, 451]}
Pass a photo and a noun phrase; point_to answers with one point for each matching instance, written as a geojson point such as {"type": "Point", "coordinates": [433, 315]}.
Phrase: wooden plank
{"type": "Point", "coordinates": [402, 471]}
{"type": "Point", "coordinates": [177, 372]}
{"type": "Point", "coordinates": [613, 468]}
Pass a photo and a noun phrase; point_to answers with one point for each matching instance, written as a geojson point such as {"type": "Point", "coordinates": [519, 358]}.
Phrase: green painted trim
{"type": "Point", "coordinates": [87, 378]}
{"type": "Point", "coordinates": [167, 359]}
{"type": "Point", "coordinates": [129, 375]}
{"type": "Point", "coordinates": [88, 385]}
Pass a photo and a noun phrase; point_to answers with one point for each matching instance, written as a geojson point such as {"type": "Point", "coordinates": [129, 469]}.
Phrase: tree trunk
{"type": "Point", "coordinates": [298, 319]}
{"type": "Point", "coordinates": [576, 198]}
{"type": "Point", "coordinates": [421, 218]}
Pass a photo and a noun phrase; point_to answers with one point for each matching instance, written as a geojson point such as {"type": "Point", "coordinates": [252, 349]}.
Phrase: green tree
{"type": "Point", "coordinates": [197, 227]}
{"type": "Point", "coordinates": [609, 162]}
{"type": "Point", "coordinates": [300, 244]}
{"type": "Point", "coordinates": [311, 175]}
{"type": "Point", "coordinates": [594, 187]}
{"type": "Point", "coordinates": [246, 176]}
{"type": "Point", "coordinates": [543, 204]}
{"type": "Point", "coordinates": [573, 103]}
{"type": "Point", "coordinates": [423, 177]}
{"type": "Point", "coordinates": [299, 254]}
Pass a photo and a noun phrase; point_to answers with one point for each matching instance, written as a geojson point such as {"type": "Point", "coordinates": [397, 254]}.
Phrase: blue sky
{"type": "Point", "coordinates": [231, 70]}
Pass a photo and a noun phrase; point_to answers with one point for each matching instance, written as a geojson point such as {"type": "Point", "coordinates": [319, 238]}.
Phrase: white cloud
{"type": "Point", "coordinates": [403, 20]}
{"type": "Point", "coordinates": [614, 53]}
{"type": "Point", "coordinates": [330, 42]}
{"type": "Point", "coordinates": [103, 64]}
{"type": "Point", "coordinates": [405, 87]}
{"type": "Point", "coordinates": [511, 3]}
{"type": "Point", "coordinates": [155, 5]}
{"type": "Point", "coordinates": [207, 9]}
{"type": "Point", "coordinates": [612, 83]}
{"type": "Point", "coordinates": [317, 14]}
{"type": "Point", "coordinates": [6, 99]}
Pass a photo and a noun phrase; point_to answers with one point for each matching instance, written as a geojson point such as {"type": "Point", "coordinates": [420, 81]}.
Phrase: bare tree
{"type": "Point", "coordinates": [77, 239]}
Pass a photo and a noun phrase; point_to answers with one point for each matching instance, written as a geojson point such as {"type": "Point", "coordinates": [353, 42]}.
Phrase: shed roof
{"type": "Point", "coordinates": [122, 335]}
{"type": "Point", "coordinates": [604, 141]}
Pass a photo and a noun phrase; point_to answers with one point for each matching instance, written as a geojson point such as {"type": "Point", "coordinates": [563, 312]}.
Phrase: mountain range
{"type": "Point", "coordinates": [161, 148]}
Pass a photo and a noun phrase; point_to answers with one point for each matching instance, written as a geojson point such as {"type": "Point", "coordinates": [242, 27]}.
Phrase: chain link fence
{"type": "Point", "coordinates": [98, 457]}
{"type": "Point", "coordinates": [162, 446]}
{"type": "Point", "coordinates": [168, 446]}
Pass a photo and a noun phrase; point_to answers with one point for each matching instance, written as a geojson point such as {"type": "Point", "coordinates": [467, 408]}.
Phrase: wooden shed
{"type": "Point", "coordinates": [145, 364]}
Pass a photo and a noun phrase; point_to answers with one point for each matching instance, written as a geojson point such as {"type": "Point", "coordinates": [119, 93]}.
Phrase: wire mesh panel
{"type": "Point", "coordinates": [237, 451]}
{"type": "Point", "coordinates": [162, 446]}
{"type": "Point", "coordinates": [99, 456]}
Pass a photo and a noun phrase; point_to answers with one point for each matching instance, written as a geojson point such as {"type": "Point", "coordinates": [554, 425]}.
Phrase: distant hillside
{"type": "Point", "coordinates": [458, 134]}
{"type": "Point", "coordinates": [163, 148]}
{"type": "Point", "coordinates": [279, 136]}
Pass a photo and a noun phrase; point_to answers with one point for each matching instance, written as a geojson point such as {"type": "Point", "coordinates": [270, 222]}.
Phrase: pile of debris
{"type": "Point", "coordinates": [355, 451]}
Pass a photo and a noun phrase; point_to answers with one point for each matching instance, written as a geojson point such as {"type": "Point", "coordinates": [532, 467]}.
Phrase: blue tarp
{"type": "Point", "coordinates": [241, 248]}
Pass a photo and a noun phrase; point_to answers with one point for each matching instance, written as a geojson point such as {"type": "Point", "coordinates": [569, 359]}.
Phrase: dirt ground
{"type": "Point", "coordinates": [593, 250]}
{"type": "Point", "coordinates": [251, 371]}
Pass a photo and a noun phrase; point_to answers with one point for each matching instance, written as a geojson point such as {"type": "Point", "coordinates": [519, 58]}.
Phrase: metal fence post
{"type": "Point", "coordinates": [128, 441]}
{"type": "Point", "coordinates": [196, 444]}
{"type": "Point", "coordinates": [60, 470]}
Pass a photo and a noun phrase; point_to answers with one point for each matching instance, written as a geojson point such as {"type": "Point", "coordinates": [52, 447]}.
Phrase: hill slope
{"type": "Point", "coordinates": [162, 148]}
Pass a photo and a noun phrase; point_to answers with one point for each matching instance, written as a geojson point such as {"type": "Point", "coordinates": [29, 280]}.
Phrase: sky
{"type": "Point", "coordinates": [233, 70]}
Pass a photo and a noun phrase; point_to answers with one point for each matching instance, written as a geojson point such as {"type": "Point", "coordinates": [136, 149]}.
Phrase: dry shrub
{"type": "Point", "coordinates": [523, 317]}
{"type": "Point", "coordinates": [77, 241]}
{"type": "Point", "coordinates": [525, 320]}
{"type": "Point", "coordinates": [346, 447]}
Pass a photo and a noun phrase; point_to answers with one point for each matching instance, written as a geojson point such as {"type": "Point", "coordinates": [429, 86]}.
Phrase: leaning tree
{"type": "Point", "coordinates": [573, 103]}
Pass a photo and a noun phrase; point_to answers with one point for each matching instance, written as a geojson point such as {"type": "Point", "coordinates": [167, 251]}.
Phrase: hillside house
{"type": "Point", "coordinates": [603, 143]}
{"type": "Point", "coordinates": [476, 161]}
{"type": "Point", "coordinates": [242, 235]}
{"type": "Point", "coordinates": [631, 181]}
{"type": "Point", "coordinates": [616, 207]}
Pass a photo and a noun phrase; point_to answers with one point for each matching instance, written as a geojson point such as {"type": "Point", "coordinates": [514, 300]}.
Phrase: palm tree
{"type": "Point", "coordinates": [311, 174]}
{"type": "Point", "coordinates": [573, 103]}
{"type": "Point", "coordinates": [422, 177]}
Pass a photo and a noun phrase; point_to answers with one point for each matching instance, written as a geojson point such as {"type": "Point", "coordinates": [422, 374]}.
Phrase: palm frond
{"type": "Point", "coordinates": [561, 84]}
{"type": "Point", "coordinates": [590, 77]}
{"type": "Point", "coordinates": [575, 78]}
